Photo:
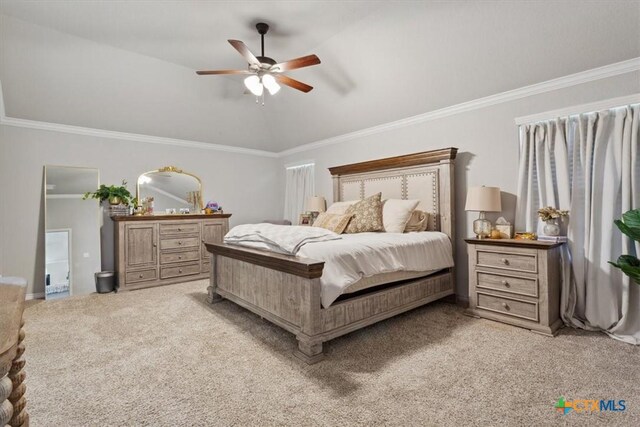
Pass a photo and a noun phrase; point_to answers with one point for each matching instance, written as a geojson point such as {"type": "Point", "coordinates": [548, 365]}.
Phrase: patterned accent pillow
{"type": "Point", "coordinates": [332, 222]}
{"type": "Point", "coordinates": [367, 215]}
{"type": "Point", "coordinates": [418, 221]}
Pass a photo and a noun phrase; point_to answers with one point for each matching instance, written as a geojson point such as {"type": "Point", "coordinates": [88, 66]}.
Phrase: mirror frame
{"type": "Point", "coordinates": [170, 169]}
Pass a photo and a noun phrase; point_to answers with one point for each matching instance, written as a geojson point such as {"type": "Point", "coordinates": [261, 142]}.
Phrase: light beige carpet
{"type": "Point", "coordinates": [163, 356]}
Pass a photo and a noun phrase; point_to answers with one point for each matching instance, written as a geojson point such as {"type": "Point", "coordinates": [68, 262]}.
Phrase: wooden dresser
{"type": "Point", "coordinates": [160, 250]}
{"type": "Point", "coordinates": [516, 282]}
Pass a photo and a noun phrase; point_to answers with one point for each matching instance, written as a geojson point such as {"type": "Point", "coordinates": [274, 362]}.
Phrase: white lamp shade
{"type": "Point", "coordinates": [254, 85]}
{"type": "Point", "coordinates": [483, 199]}
{"type": "Point", "coordinates": [270, 83]}
{"type": "Point", "coordinates": [316, 204]}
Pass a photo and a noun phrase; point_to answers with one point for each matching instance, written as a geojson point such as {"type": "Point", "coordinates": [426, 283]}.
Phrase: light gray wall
{"type": "Point", "coordinates": [244, 184]}
{"type": "Point", "coordinates": [487, 140]}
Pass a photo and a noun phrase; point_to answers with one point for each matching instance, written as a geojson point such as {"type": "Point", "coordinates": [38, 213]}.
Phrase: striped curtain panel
{"type": "Point", "coordinates": [588, 164]}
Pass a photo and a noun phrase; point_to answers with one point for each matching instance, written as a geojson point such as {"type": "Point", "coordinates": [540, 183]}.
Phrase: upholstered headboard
{"type": "Point", "coordinates": [425, 176]}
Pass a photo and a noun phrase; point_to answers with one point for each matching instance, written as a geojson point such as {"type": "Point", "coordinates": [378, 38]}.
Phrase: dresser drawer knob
{"type": "Point", "coordinates": [141, 276]}
{"type": "Point", "coordinates": [179, 229]}
{"type": "Point", "coordinates": [506, 284]}
{"type": "Point", "coordinates": [179, 256]}
{"type": "Point", "coordinates": [179, 243]}
{"type": "Point", "coordinates": [180, 270]}
{"type": "Point", "coordinates": [505, 306]}
{"type": "Point", "coordinates": [504, 261]}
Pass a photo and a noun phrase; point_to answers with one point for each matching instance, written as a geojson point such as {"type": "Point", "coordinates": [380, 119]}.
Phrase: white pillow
{"type": "Point", "coordinates": [340, 208]}
{"type": "Point", "coordinates": [396, 213]}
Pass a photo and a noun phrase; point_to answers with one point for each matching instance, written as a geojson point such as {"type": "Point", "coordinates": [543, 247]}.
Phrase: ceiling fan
{"type": "Point", "coordinates": [263, 71]}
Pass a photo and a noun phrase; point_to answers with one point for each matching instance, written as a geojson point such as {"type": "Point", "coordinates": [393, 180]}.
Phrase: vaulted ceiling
{"type": "Point", "coordinates": [129, 66]}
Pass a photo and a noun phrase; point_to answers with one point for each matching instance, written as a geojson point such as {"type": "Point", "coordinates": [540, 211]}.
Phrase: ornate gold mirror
{"type": "Point", "coordinates": [172, 189]}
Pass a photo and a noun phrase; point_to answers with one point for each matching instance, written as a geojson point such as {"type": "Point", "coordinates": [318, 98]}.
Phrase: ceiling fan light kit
{"type": "Point", "coordinates": [265, 72]}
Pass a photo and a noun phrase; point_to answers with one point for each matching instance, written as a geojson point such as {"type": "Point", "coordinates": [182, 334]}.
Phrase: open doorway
{"type": "Point", "coordinates": [58, 282]}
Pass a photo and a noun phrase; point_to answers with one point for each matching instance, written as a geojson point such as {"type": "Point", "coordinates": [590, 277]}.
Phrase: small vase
{"type": "Point", "coordinates": [551, 228]}
{"type": "Point", "coordinates": [115, 200]}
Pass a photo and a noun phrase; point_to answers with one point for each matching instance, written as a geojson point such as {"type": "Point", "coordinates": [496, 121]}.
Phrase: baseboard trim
{"type": "Point", "coordinates": [37, 295]}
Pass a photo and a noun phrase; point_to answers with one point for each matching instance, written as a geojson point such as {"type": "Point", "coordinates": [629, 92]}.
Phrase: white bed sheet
{"type": "Point", "coordinates": [366, 254]}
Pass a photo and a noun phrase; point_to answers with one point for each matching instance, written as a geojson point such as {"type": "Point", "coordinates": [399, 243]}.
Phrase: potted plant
{"type": "Point", "coordinates": [116, 195]}
{"type": "Point", "coordinates": [629, 225]}
{"type": "Point", "coordinates": [549, 215]}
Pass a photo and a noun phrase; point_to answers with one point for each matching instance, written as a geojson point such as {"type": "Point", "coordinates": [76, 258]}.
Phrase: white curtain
{"type": "Point", "coordinates": [588, 164]}
{"type": "Point", "coordinates": [299, 187]}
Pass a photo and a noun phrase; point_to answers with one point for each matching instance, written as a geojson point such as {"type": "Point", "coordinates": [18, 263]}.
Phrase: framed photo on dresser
{"type": "Point", "coordinates": [305, 219]}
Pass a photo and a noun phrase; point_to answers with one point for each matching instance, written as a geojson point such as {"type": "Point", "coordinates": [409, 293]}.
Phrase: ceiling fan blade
{"type": "Point", "coordinates": [204, 73]}
{"type": "Point", "coordinates": [305, 61]}
{"type": "Point", "coordinates": [293, 83]}
{"type": "Point", "coordinates": [244, 51]}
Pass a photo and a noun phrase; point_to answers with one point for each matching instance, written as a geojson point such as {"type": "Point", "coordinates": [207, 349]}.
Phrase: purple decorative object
{"type": "Point", "coordinates": [213, 206]}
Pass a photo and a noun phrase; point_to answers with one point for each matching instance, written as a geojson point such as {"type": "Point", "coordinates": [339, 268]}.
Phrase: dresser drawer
{"type": "Point", "coordinates": [179, 270]}
{"type": "Point", "coordinates": [141, 275]}
{"type": "Point", "coordinates": [206, 266]}
{"type": "Point", "coordinates": [508, 306]}
{"type": "Point", "coordinates": [508, 260]}
{"type": "Point", "coordinates": [179, 242]}
{"type": "Point", "coordinates": [505, 283]}
{"type": "Point", "coordinates": [181, 228]}
{"type": "Point", "coordinates": [169, 257]}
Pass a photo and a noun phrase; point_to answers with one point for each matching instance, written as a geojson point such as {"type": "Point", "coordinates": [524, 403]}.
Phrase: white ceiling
{"type": "Point", "coordinates": [130, 65]}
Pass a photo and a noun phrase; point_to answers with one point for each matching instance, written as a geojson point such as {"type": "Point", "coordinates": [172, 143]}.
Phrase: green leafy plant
{"type": "Point", "coordinates": [111, 193]}
{"type": "Point", "coordinates": [629, 225]}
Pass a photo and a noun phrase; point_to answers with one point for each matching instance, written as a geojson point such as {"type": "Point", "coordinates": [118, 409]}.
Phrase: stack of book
{"type": "Point", "coordinates": [554, 239]}
{"type": "Point", "coordinates": [118, 210]}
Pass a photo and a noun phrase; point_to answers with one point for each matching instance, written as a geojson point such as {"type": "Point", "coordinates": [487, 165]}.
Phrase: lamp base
{"type": "Point", "coordinates": [482, 227]}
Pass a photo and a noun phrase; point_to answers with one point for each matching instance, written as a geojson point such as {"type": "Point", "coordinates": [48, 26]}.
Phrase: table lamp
{"type": "Point", "coordinates": [315, 205]}
{"type": "Point", "coordinates": [483, 199]}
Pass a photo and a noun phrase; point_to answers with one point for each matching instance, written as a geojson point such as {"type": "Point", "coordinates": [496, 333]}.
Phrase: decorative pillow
{"type": "Point", "coordinates": [367, 215]}
{"type": "Point", "coordinates": [396, 214]}
{"type": "Point", "coordinates": [340, 208]}
{"type": "Point", "coordinates": [333, 222]}
{"type": "Point", "coordinates": [419, 221]}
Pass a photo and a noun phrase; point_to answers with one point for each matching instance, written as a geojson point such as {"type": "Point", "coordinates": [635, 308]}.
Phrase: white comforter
{"type": "Point", "coordinates": [277, 238]}
{"type": "Point", "coordinates": [366, 254]}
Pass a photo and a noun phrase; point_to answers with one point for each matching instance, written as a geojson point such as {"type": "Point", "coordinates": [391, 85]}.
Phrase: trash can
{"type": "Point", "coordinates": [105, 282]}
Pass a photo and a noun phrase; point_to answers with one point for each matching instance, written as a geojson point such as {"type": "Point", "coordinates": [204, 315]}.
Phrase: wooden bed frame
{"type": "Point", "coordinates": [286, 289]}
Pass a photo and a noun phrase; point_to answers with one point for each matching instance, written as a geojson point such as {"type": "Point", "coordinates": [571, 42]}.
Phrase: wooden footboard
{"type": "Point", "coordinates": [286, 291]}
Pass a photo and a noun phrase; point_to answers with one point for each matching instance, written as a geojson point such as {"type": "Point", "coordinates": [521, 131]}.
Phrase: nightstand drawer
{"type": "Point", "coordinates": [508, 260]}
{"type": "Point", "coordinates": [510, 284]}
{"type": "Point", "coordinates": [509, 306]}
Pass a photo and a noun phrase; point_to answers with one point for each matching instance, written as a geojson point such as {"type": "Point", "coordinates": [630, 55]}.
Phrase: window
{"type": "Point", "coordinates": [300, 185]}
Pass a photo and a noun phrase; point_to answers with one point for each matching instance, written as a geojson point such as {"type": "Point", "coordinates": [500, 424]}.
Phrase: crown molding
{"type": "Point", "coordinates": [605, 104]}
{"type": "Point", "coordinates": [102, 133]}
{"type": "Point", "coordinates": [570, 80]}
{"type": "Point", "coordinates": [593, 74]}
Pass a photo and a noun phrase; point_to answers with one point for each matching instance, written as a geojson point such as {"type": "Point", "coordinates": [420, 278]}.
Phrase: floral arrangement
{"type": "Point", "coordinates": [213, 206]}
{"type": "Point", "coordinates": [550, 213]}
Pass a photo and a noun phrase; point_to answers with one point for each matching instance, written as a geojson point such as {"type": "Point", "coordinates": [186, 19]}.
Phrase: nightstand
{"type": "Point", "coordinates": [516, 282]}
